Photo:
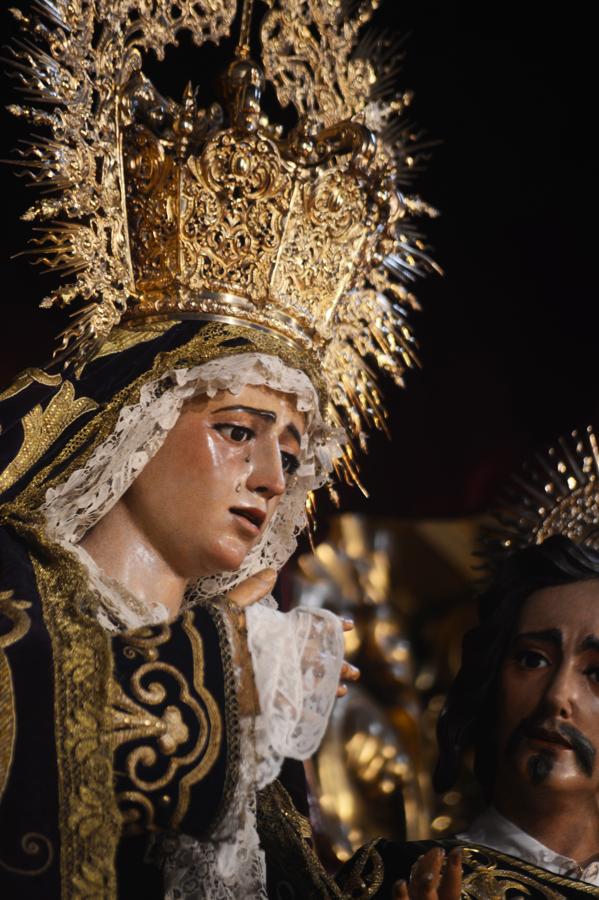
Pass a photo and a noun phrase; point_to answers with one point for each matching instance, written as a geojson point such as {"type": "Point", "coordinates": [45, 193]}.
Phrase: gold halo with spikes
{"type": "Point", "coordinates": [557, 493]}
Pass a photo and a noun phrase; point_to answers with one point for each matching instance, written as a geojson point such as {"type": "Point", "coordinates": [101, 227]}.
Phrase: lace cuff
{"type": "Point", "coordinates": [297, 658]}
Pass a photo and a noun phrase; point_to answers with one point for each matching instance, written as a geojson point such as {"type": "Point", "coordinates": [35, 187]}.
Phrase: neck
{"type": "Point", "coordinates": [121, 549]}
{"type": "Point", "coordinates": [554, 819]}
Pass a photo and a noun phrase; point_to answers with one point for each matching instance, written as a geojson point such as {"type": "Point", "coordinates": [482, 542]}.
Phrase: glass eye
{"type": "Point", "coordinates": [532, 659]}
{"type": "Point", "coordinates": [290, 463]}
{"type": "Point", "coordinates": [237, 433]}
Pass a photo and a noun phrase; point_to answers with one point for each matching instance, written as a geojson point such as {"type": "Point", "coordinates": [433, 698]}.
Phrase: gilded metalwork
{"type": "Point", "coordinates": [309, 58]}
{"type": "Point", "coordinates": [158, 208]}
{"type": "Point", "coordinates": [399, 583]}
{"type": "Point", "coordinates": [15, 611]}
{"type": "Point", "coordinates": [41, 428]}
{"type": "Point", "coordinates": [557, 493]}
{"type": "Point", "coordinates": [124, 339]}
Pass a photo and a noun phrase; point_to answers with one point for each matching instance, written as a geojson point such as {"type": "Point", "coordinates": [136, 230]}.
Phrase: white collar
{"type": "Point", "coordinates": [493, 830]}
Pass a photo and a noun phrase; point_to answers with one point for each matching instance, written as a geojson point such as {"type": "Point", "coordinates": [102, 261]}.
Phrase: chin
{"type": "Point", "coordinates": [224, 558]}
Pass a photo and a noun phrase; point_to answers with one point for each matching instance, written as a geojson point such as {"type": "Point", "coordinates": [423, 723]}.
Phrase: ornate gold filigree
{"type": "Point", "coordinates": [42, 427]}
{"type": "Point", "coordinates": [307, 50]}
{"type": "Point", "coordinates": [164, 209]}
{"type": "Point", "coordinates": [124, 339]}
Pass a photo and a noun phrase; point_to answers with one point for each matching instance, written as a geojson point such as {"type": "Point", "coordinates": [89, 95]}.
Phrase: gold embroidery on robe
{"type": "Point", "coordinates": [42, 427]}
{"type": "Point", "coordinates": [131, 721]}
{"type": "Point", "coordinates": [33, 844]}
{"type": "Point", "coordinates": [89, 821]}
{"type": "Point", "coordinates": [14, 611]}
{"type": "Point", "coordinates": [27, 377]}
{"type": "Point", "coordinates": [489, 880]}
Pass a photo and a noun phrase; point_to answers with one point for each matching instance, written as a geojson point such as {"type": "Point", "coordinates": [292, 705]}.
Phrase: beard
{"type": "Point", "coordinates": [540, 766]}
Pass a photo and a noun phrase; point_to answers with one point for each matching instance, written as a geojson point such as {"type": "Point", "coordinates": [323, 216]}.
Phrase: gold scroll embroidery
{"type": "Point", "coordinates": [41, 427]}
{"type": "Point", "coordinates": [27, 377]}
{"type": "Point", "coordinates": [132, 721]}
{"type": "Point", "coordinates": [33, 844]}
{"type": "Point", "coordinates": [14, 610]}
{"type": "Point", "coordinates": [488, 881]}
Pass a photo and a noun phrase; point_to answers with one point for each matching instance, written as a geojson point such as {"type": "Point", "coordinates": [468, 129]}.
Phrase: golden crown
{"type": "Point", "coordinates": [167, 210]}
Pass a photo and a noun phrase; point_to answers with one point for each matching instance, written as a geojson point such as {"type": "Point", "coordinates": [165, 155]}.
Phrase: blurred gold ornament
{"type": "Point", "coordinates": [398, 581]}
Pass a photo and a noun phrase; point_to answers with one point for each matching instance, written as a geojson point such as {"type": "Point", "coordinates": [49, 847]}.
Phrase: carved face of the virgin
{"type": "Point", "coordinates": [205, 499]}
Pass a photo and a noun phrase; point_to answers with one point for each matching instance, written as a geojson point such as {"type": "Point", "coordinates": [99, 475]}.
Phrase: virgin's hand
{"type": "Point", "coordinates": [431, 880]}
{"type": "Point", "coordinates": [348, 672]}
{"type": "Point", "coordinates": [253, 589]}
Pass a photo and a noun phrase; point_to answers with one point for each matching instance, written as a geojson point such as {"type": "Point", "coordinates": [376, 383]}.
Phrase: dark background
{"type": "Point", "coordinates": [508, 337]}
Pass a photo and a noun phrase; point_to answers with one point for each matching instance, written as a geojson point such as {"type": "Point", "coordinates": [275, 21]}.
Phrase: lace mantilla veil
{"type": "Point", "coordinates": [296, 656]}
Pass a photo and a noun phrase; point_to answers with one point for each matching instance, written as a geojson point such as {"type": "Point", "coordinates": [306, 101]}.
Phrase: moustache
{"type": "Point", "coordinates": [584, 751]}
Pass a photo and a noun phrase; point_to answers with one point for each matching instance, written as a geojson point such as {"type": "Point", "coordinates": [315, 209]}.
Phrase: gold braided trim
{"type": "Point", "coordinates": [473, 852]}
{"type": "Point", "coordinates": [202, 347]}
{"type": "Point", "coordinates": [232, 726]}
{"type": "Point", "coordinates": [89, 821]}
{"type": "Point", "coordinates": [284, 835]}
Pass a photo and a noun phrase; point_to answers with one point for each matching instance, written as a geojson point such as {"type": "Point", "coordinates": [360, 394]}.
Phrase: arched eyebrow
{"type": "Point", "coordinates": [264, 414]}
{"type": "Point", "coordinates": [591, 642]}
{"type": "Point", "coordinates": [548, 636]}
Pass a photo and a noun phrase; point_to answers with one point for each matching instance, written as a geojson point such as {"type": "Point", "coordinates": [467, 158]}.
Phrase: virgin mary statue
{"type": "Point", "coordinates": [154, 478]}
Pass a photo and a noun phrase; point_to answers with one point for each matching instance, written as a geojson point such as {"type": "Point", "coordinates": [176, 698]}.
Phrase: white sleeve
{"type": "Point", "coordinates": [297, 658]}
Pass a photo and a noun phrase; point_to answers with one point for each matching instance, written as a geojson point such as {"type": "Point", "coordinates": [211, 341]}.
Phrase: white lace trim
{"type": "Point", "coordinates": [297, 658]}
{"type": "Point", "coordinates": [229, 866]}
{"type": "Point", "coordinates": [73, 507]}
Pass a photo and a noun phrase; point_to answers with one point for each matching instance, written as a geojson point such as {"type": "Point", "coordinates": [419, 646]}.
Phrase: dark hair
{"type": "Point", "coordinates": [467, 719]}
